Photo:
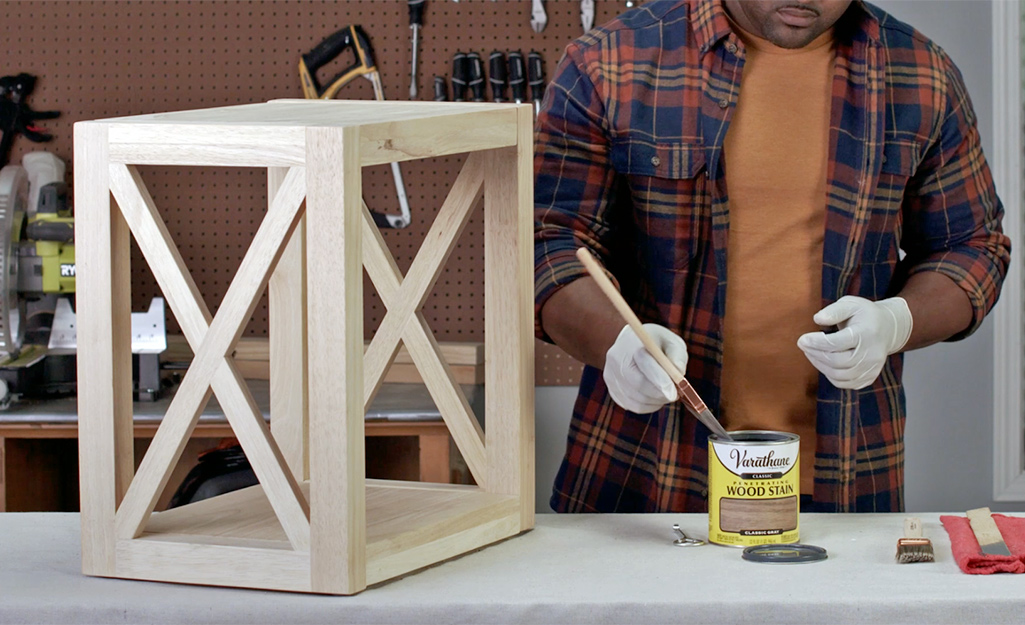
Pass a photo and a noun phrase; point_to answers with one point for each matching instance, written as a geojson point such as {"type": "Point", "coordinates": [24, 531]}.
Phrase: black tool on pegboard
{"type": "Point", "coordinates": [16, 117]}
{"type": "Point", "coordinates": [440, 89]}
{"type": "Point", "coordinates": [517, 77]}
{"type": "Point", "coordinates": [460, 76]}
{"type": "Point", "coordinates": [416, 20]}
{"type": "Point", "coordinates": [536, 77]}
{"type": "Point", "coordinates": [498, 76]}
{"type": "Point", "coordinates": [475, 77]}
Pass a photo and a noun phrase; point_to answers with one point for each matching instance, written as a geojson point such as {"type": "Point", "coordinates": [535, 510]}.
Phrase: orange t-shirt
{"type": "Point", "coordinates": [776, 153]}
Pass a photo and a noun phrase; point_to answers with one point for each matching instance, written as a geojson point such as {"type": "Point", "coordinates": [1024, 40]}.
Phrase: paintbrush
{"type": "Point", "coordinates": [913, 547]}
{"type": "Point", "coordinates": [991, 543]}
{"type": "Point", "coordinates": [690, 397]}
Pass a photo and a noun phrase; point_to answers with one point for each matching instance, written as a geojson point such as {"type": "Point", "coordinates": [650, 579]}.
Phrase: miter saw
{"type": "Point", "coordinates": [27, 281]}
{"type": "Point", "coordinates": [13, 207]}
{"type": "Point", "coordinates": [37, 285]}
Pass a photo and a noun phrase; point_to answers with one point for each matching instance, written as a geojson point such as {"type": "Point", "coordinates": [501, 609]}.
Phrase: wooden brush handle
{"type": "Point", "coordinates": [984, 527]}
{"type": "Point", "coordinates": [687, 392]}
{"type": "Point", "coordinates": [912, 527]}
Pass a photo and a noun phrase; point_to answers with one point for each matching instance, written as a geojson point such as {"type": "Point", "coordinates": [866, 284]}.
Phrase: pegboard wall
{"type": "Point", "coordinates": [112, 58]}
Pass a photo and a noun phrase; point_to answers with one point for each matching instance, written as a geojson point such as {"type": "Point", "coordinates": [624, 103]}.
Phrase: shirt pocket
{"type": "Point", "coordinates": [899, 163]}
{"type": "Point", "coordinates": [669, 195]}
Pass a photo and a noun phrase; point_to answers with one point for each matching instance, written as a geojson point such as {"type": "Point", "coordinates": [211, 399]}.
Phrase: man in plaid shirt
{"type": "Point", "coordinates": [790, 193]}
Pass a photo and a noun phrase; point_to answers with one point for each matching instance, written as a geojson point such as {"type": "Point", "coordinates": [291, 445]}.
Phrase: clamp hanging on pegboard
{"type": "Point", "coordinates": [16, 117]}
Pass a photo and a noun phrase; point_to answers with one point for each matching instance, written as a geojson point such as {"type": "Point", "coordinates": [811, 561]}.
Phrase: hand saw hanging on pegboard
{"type": "Point", "coordinates": [355, 39]}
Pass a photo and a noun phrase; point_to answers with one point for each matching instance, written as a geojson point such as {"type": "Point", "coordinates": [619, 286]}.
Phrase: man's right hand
{"type": "Point", "coordinates": [634, 378]}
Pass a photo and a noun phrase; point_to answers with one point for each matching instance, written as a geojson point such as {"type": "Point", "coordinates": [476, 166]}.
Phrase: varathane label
{"type": "Point", "coordinates": [754, 488]}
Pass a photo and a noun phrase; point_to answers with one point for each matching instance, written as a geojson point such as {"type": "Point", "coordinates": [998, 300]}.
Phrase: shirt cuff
{"type": "Point", "coordinates": [968, 281]}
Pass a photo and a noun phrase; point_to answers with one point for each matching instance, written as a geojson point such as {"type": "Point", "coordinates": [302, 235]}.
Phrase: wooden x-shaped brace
{"type": "Point", "coordinates": [213, 339]}
{"type": "Point", "coordinates": [405, 322]}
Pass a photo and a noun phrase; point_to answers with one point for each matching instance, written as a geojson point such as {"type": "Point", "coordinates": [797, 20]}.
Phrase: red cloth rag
{"type": "Point", "coordinates": [966, 548]}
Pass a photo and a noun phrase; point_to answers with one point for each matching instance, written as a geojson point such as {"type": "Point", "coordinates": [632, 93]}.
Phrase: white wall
{"type": "Point", "coordinates": [554, 405]}
{"type": "Point", "coordinates": [949, 463]}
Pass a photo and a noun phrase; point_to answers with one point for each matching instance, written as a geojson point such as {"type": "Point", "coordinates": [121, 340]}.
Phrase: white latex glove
{"type": "Point", "coordinates": [869, 332]}
{"type": "Point", "coordinates": [635, 379]}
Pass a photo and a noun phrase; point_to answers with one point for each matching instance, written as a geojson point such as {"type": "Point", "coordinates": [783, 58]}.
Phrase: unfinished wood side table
{"type": "Point", "coordinates": [314, 524]}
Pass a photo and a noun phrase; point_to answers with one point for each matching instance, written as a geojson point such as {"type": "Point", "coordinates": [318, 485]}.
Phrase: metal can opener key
{"type": "Point", "coordinates": [684, 540]}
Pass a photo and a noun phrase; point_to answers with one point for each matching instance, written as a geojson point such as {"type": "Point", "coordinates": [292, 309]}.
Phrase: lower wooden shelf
{"type": "Point", "coordinates": [410, 525]}
{"type": "Point", "coordinates": [39, 462]}
{"type": "Point", "coordinates": [405, 434]}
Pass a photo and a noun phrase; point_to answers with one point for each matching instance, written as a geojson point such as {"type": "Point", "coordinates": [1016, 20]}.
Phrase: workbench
{"type": "Point", "coordinates": [36, 476]}
{"type": "Point", "coordinates": [569, 569]}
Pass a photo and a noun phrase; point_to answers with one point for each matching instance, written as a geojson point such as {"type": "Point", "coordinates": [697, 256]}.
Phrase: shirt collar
{"type": "Point", "coordinates": [709, 22]}
{"type": "Point", "coordinates": [711, 25]}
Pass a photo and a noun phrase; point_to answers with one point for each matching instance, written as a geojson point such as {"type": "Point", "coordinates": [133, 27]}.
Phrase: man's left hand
{"type": "Point", "coordinates": [869, 332]}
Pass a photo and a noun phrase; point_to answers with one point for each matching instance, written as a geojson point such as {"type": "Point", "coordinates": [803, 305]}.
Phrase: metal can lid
{"type": "Point", "coordinates": [791, 553]}
{"type": "Point", "coordinates": [756, 437]}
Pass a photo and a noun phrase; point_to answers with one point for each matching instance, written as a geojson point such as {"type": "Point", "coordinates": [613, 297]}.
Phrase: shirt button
{"type": "Point", "coordinates": [724, 103]}
{"type": "Point", "coordinates": [731, 47]}
{"type": "Point", "coordinates": [656, 161]}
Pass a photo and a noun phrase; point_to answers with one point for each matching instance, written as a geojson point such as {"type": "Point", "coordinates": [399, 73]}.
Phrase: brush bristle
{"type": "Point", "coordinates": [911, 550]}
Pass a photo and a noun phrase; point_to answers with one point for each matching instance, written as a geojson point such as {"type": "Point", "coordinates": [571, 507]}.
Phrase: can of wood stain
{"type": "Point", "coordinates": [754, 488]}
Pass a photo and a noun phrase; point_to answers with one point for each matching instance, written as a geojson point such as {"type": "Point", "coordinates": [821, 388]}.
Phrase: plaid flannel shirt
{"type": "Point", "coordinates": [629, 164]}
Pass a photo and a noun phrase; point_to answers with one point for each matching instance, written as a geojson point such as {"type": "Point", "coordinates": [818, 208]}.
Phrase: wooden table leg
{"type": "Point", "coordinates": [434, 458]}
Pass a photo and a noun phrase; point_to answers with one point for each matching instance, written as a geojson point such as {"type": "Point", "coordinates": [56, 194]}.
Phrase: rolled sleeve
{"type": "Point", "coordinates": [952, 212]}
{"type": "Point", "coordinates": [573, 185]}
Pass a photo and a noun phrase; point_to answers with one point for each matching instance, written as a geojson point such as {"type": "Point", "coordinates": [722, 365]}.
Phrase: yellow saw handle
{"type": "Point", "coordinates": [351, 37]}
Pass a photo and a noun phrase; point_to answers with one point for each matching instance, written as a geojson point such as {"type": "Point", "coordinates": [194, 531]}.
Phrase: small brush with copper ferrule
{"type": "Point", "coordinates": [913, 547]}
